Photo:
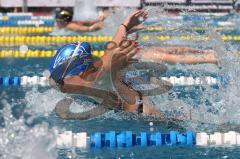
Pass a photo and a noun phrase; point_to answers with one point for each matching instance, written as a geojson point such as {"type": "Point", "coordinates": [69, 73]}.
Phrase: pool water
{"type": "Point", "coordinates": [28, 122]}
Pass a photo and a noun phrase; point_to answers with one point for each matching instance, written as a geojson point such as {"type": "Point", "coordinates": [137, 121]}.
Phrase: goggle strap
{"type": "Point", "coordinates": [70, 60]}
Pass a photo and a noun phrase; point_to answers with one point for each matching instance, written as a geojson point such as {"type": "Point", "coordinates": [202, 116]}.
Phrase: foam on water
{"type": "Point", "coordinates": [81, 105]}
{"type": "Point", "coordinates": [22, 137]}
{"type": "Point", "coordinates": [116, 17]}
{"type": "Point", "coordinates": [84, 10]}
{"type": "Point", "coordinates": [224, 102]}
{"type": "Point", "coordinates": [21, 141]}
{"type": "Point", "coordinates": [41, 103]}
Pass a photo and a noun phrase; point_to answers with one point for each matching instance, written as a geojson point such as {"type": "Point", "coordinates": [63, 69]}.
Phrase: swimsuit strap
{"type": "Point", "coordinates": [140, 104]}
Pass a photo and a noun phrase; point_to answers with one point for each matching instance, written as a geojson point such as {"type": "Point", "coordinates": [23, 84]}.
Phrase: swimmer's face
{"type": "Point", "coordinates": [61, 23]}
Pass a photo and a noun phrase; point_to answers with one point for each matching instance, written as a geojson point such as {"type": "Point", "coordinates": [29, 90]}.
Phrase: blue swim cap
{"type": "Point", "coordinates": [70, 59]}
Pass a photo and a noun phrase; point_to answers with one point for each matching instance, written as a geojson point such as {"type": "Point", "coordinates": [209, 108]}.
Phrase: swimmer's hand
{"type": "Point", "coordinates": [96, 26]}
{"type": "Point", "coordinates": [121, 56]}
{"type": "Point", "coordinates": [103, 15]}
{"type": "Point", "coordinates": [137, 28]}
{"type": "Point", "coordinates": [101, 18]}
{"type": "Point", "coordinates": [135, 19]}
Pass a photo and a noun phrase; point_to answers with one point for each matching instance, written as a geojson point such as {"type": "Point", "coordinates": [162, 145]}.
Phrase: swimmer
{"type": "Point", "coordinates": [73, 69]}
{"type": "Point", "coordinates": [170, 55]}
{"type": "Point", "coordinates": [185, 55]}
{"type": "Point", "coordinates": [64, 20]}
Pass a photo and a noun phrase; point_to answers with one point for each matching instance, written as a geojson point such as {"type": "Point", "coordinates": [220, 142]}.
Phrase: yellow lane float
{"type": "Point", "coordinates": [37, 53]}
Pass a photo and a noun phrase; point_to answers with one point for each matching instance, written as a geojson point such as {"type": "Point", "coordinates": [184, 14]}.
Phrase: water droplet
{"type": "Point", "coordinates": [46, 73]}
{"type": "Point", "coordinates": [69, 155]}
{"type": "Point", "coordinates": [23, 49]}
{"type": "Point", "coordinates": [140, 19]}
{"type": "Point", "coordinates": [12, 135]}
{"type": "Point", "coordinates": [151, 129]}
{"type": "Point", "coordinates": [150, 123]}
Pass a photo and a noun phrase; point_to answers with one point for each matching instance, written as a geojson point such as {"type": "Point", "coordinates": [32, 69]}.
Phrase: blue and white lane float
{"type": "Point", "coordinates": [128, 139]}
{"type": "Point", "coordinates": [175, 81]}
{"type": "Point", "coordinates": [15, 23]}
{"type": "Point", "coordinates": [23, 16]}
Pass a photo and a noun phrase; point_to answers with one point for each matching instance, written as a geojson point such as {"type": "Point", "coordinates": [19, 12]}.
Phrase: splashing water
{"type": "Point", "coordinates": [85, 10]}
{"type": "Point", "coordinates": [116, 17]}
{"type": "Point", "coordinates": [47, 100]}
{"type": "Point", "coordinates": [20, 141]}
{"type": "Point", "coordinates": [23, 137]}
{"type": "Point", "coordinates": [218, 106]}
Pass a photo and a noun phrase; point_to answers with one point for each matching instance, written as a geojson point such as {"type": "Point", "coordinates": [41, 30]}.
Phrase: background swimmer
{"type": "Point", "coordinates": [173, 55]}
{"type": "Point", "coordinates": [64, 20]}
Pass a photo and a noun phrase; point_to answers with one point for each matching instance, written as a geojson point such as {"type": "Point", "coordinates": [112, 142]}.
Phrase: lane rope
{"type": "Point", "coordinates": [49, 40]}
{"type": "Point", "coordinates": [44, 29]}
{"type": "Point", "coordinates": [53, 40]}
{"type": "Point", "coordinates": [187, 38]}
{"type": "Point", "coordinates": [175, 81]}
{"type": "Point", "coordinates": [127, 139]}
{"type": "Point", "coordinates": [15, 22]}
{"type": "Point", "coordinates": [195, 28]}
{"type": "Point", "coordinates": [25, 30]}
{"type": "Point", "coordinates": [37, 53]}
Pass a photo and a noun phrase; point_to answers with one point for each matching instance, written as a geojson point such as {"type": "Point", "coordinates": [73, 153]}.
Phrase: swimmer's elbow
{"type": "Point", "coordinates": [95, 27]}
{"type": "Point", "coordinates": [77, 28]}
{"type": "Point", "coordinates": [91, 28]}
{"type": "Point", "coordinates": [85, 29]}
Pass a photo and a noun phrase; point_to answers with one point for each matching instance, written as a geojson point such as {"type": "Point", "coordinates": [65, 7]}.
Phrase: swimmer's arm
{"type": "Point", "coordinates": [187, 59]}
{"type": "Point", "coordinates": [130, 22]}
{"type": "Point", "coordinates": [78, 27]}
{"type": "Point", "coordinates": [89, 22]}
{"type": "Point", "coordinates": [92, 22]}
{"type": "Point", "coordinates": [150, 109]}
{"type": "Point", "coordinates": [101, 70]}
{"type": "Point", "coordinates": [120, 35]}
{"type": "Point", "coordinates": [184, 50]}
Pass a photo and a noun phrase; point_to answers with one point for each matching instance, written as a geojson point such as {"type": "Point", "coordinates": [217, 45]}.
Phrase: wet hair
{"type": "Point", "coordinates": [64, 15]}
